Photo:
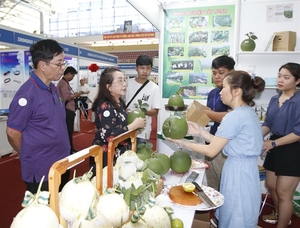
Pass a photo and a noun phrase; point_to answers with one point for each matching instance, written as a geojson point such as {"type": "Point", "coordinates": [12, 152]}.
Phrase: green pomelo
{"type": "Point", "coordinates": [165, 161]}
{"type": "Point", "coordinates": [143, 157]}
{"type": "Point", "coordinates": [180, 161]}
{"type": "Point", "coordinates": [175, 127]}
{"type": "Point", "coordinates": [176, 100]}
{"type": "Point", "coordinates": [248, 45]}
{"type": "Point", "coordinates": [144, 152]}
{"type": "Point", "coordinates": [135, 114]}
{"type": "Point", "coordinates": [155, 165]}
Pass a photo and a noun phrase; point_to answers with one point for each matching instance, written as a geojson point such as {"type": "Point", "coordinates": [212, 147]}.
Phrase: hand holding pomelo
{"type": "Point", "coordinates": [175, 127]}
{"type": "Point", "coordinates": [135, 113]}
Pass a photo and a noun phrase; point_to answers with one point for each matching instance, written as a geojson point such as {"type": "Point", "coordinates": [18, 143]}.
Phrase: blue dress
{"type": "Point", "coordinates": [240, 183]}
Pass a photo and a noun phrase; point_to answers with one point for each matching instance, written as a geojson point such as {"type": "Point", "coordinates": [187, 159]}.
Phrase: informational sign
{"type": "Point", "coordinates": [98, 56]}
{"type": "Point", "coordinates": [280, 12]}
{"type": "Point", "coordinates": [11, 72]}
{"type": "Point", "coordinates": [28, 65]}
{"type": "Point", "coordinates": [193, 37]}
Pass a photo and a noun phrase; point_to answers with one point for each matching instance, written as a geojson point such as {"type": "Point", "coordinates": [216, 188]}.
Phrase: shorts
{"type": "Point", "coordinates": [284, 160]}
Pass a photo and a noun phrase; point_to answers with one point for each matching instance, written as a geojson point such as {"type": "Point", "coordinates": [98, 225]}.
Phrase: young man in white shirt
{"type": "Point", "coordinates": [150, 94]}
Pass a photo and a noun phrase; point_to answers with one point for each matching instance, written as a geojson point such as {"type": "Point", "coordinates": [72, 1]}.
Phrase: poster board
{"type": "Point", "coordinates": [193, 37]}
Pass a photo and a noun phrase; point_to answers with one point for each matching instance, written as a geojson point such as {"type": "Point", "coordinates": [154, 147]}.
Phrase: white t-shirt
{"type": "Point", "coordinates": [84, 88]}
{"type": "Point", "coordinates": [150, 94]}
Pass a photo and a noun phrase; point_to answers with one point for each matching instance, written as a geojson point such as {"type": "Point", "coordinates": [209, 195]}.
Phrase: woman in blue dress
{"type": "Point", "coordinates": [239, 137]}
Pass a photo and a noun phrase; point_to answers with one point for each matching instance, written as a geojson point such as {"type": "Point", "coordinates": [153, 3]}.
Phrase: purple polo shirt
{"type": "Point", "coordinates": [37, 112]}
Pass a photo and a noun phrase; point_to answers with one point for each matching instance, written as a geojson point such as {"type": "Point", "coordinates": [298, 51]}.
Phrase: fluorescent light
{"type": "Point", "coordinates": [3, 47]}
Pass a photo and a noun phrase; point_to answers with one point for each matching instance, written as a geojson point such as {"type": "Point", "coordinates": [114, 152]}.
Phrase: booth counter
{"type": "Point", "coordinates": [5, 147]}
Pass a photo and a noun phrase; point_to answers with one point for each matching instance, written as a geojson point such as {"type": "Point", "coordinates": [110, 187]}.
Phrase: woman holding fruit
{"type": "Point", "coordinates": [110, 112]}
{"type": "Point", "coordinates": [239, 137]}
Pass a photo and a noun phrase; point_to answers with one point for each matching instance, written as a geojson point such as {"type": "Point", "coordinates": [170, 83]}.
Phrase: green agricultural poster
{"type": "Point", "coordinates": [193, 37]}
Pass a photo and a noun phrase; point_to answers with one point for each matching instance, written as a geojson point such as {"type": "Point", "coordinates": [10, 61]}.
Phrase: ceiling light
{"type": "Point", "coordinates": [3, 47]}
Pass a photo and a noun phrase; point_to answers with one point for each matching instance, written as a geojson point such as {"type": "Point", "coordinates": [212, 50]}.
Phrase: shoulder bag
{"type": "Point", "coordinates": [137, 92]}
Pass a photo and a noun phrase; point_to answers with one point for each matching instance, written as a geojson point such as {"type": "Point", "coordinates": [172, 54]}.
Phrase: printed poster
{"type": "Point", "coordinates": [193, 37]}
{"type": "Point", "coordinates": [11, 72]}
{"type": "Point", "coordinates": [280, 12]}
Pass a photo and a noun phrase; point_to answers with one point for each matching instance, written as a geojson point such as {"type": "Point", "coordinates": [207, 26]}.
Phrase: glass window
{"type": "Point", "coordinates": [97, 17]}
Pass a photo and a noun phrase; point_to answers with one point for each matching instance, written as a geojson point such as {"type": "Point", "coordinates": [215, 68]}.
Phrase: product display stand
{"type": "Point", "coordinates": [61, 166]}
{"type": "Point", "coordinates": [111, 152]}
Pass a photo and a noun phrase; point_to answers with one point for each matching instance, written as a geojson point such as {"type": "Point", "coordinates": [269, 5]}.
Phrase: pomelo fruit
{"type": "Point", "coordinates": [165, 161]}
{"type": "Point", "coordinates": [188, 187]}
{"type": "Point", "coordinates": [144, 150]}
{"type": "Point", "coordinates": [175, 127]}
{"type": "Point", "coordinates": [248, 45]}
{"type": "Point", "coordinates": [135, 113]}
{"type": "Point", "coordinates": [176, 100]}
{"type": "Point", "coordinates": [143, 157]}
{"type": "Point", "coordinates": [177, 223]}
{"type": "Point", "coordinates": [180, 161]}
{"type": "Point", "coordinates": [155, 165]}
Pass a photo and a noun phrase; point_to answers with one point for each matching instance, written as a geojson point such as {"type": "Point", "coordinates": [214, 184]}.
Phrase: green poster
{"type": "Point", "coordinates": [193, 37]}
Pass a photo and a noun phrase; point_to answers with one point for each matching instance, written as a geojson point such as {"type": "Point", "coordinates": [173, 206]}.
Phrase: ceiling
{"type": "Point", "coordinates": [24, 15]}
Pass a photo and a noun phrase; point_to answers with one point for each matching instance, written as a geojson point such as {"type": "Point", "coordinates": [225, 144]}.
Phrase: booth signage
{"type": "Point", "coordinates": [126, 66]}
{"type": "Point", "coordinates": [97, 56]}
{"type": "Point", "coordinates": [25, 40]}
{"type": "Point", "coordinates": [6, 36]}
{"type": "Point", "coordinates": [69, 49]}
{"type": "Point", "coordinates": [129, 35]}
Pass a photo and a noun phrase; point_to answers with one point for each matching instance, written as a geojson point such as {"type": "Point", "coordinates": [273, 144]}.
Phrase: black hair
{"type": "Point", "coordinates": [144, 60]}
{"type": "Point", "coordinates": [223, 61]}
{"type": "Point", "coordinates": [71, 70]}
{"type": "Point", "coordinates": [106, 78]}
{"type": "Point", "coordinates": [250, 85]}
{"type": "Point", "coordinates": [44, 50]}
{"type": "Point", "coordinates": [294, 69]}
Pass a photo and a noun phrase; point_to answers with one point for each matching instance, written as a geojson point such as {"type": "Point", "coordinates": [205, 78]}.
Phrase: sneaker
{"type": "Point", "coordinates": [272, 218]}
{"type": "Point", "coordinates": [213, 223]}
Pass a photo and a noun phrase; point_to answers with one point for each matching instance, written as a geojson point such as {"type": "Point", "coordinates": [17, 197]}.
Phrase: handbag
{"type": "Point", "coordinates": [137, 92]}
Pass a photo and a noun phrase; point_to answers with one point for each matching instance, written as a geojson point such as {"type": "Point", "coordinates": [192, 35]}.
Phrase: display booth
{"type": "Point", "coordinates": [193, 35]}
{"type": "Point", "coordinates": [16, 67]}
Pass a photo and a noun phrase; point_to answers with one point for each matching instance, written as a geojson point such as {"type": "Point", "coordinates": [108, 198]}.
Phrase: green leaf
{"type": "Point", "coordinates": [144, 110]}
{"type": "Point", "coordinates": [140, 102]}
{"type": "Point", "coordinates": [253, 37]}
{"type": "Point", "coordinates": [127, 195]}
{"type": "Point", "coordinates": [144, 105]}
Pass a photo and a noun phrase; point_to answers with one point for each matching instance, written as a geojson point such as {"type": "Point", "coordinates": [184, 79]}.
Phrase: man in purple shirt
{"type": "Point", "coordinates": [36, 126]}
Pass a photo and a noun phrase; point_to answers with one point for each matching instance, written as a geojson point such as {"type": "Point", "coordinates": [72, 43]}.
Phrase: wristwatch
{"type": "Point", "coordinates": [273, 144]}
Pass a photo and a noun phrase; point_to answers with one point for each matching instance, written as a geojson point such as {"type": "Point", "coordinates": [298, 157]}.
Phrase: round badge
{"type": "Point", "coordinates": [106, 113]}
{"type": "Point", "coordinates": [22, 102]}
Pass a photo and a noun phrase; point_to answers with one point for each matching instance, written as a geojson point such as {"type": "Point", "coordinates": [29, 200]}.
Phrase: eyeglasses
{"type": "Point", "coordinates": [65, 63]}
{"type": "Point", "coordinates": [121, 81]}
